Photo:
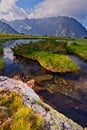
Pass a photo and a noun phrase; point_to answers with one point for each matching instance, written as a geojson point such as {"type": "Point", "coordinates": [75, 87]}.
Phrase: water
{"type": "Point", "coordinates": [13, 67]}
{"type": "Point", "coordinates": [67, 92]}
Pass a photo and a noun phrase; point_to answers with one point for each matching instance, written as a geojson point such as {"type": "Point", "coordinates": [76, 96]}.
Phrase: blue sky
{"type": "Point", "coordinates": [28, 3]}
{"type": "Point", "coordinates": [20, 9]}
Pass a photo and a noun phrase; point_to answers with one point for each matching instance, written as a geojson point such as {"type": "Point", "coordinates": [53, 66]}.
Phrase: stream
{"type": "Point", "coordinates": [66, 92]}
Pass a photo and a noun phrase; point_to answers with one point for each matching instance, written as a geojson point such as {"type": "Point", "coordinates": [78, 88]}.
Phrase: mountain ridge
{"type": "Point", "coordinates": [6, 28]}
{"type": "Point", "coordinates": [55, 26]}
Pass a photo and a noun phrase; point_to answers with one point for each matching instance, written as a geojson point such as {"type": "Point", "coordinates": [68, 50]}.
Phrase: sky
{"type": "Point", "coordinates": [20, 9]}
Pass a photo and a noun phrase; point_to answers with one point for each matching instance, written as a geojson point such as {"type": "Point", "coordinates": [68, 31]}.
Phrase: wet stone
{"type": "Point", "coordinates": [41, 78]}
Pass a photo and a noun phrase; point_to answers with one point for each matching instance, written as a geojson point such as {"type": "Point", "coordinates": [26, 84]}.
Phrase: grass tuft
{"type": "Point", "coordinates": [21, 117]}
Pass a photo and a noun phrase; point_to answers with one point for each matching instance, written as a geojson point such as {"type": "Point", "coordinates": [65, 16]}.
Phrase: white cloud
{"type": "Point", "coordinates": [9, 10]}
{"type": "Point", "coordinates": [48, 8]}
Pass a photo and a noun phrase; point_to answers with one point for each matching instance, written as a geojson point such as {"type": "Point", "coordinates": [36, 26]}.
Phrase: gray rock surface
{"type": "Point", "coordinates": [53, 119]}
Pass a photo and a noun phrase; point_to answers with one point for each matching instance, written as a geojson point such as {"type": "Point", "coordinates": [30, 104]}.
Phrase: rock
{"type": "Point", "coordinates": [40, 109]}
{"type": "Point", "coordinates": [52, 88]}
{"type": "Point", "coordinates": [64, 81]}
{"type": "Point", "coordinates": [31, 83]}
{"type": "Point", "coordinates": [53, 119]}
{"type": "Point", "coordinates": [43, 77]}
{"type": "Point", "coordinates": [17, 77]}
{"type": "Point", "coordinates": [3, 108]}
{"type": "Point", "coordinates": [19, 87]}
{"type": "Point", "coordinates": [60, 122]}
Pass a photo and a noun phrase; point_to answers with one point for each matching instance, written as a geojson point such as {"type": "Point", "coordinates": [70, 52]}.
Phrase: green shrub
{"type": "Point", "coordinates": [75, 43]}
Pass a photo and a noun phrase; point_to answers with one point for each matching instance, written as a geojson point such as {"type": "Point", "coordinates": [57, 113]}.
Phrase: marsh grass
{"type": "Point", "coordinates": [79, 48]}
{"type": "Point", "coordinates": [6, 37]}
{"type": "Point", "coordinates": [49, 53]}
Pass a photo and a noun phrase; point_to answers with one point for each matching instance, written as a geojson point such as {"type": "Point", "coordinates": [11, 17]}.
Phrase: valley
{"type": "Point", "coordinates": [43, 65]}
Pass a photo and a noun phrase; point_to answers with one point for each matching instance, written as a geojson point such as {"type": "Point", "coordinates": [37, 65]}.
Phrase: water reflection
{"type": "Point", "coordinates": [8, 55]}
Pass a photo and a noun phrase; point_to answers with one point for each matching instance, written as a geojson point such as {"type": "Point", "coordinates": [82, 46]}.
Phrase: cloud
{"type": "Point", "coordinates": [48, 8]}
{"type": "Point", "coordinates": [9, 10]}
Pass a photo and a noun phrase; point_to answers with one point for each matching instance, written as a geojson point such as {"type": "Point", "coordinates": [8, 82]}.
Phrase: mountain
{"type": "Point", "coordinates": [6, 28]}
{"type": "Point", "coordinates": [55, 26]}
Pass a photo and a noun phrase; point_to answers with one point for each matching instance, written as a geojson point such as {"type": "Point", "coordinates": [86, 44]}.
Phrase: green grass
{"type": "Point", "coordinates": [5, 37]}
{"type": "Point", "coordinates": [79, 48]}
{"type": "Point", "coordinates": [26, 119]}
{"type": "Point", "coordinates": [20, 36]}
{"type": "Point", "coordinates": [22, 117]}
{"type": "Point", "coordinates": [1, 49]}
{"type": "Point", "coordinates": [1, 63]}
{"type": "Point", "coordinates": [54, 62]}
{"type": "Point", "coordinates": [49, 54]}
{"type": "Point", "coordinates": [1, 60]}
{"type": "Point", "coordinates": [48, 45]}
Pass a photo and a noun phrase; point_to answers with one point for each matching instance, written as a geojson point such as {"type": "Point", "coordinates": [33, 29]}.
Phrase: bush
{"type": "Point", "coordinates": [74, 43]}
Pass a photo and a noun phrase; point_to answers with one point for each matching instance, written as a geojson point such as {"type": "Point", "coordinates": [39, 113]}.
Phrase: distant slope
{"type": "Point", "coordinates": [6, 28]}
{"type": "Point", "coordinates": [58, 26]}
